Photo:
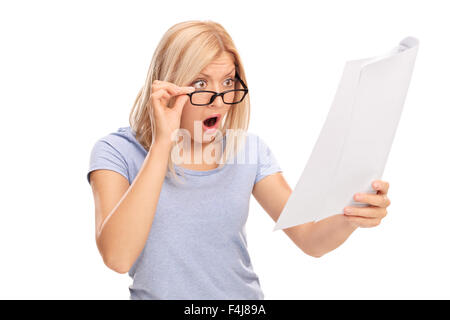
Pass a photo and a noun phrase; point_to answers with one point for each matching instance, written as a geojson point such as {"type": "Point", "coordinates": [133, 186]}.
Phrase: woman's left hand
{"type": "Point", "coordinates": [370, 216]}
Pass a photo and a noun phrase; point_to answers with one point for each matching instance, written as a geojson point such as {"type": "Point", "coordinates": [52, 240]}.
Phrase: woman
{"type": "Point", "coordinates": [185, 238]}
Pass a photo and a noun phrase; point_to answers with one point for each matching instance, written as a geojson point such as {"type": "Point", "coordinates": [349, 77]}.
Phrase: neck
{"type": "Point", "coordinates": [200, 152]}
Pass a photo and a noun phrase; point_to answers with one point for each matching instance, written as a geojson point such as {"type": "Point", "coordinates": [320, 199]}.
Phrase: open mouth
{"type": "Point", "coordinates": [211, 122]}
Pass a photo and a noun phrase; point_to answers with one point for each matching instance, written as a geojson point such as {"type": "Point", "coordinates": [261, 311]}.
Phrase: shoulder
{"type": "Point", "coordinates": [120, 143]}
{"type": "Point", "coordinates": [116, 151]}
{"type": "Point", "coordinates": [257, 143]}
{"type": "Point", "coordinates": [123, 140]}
{"type": "Point", "coordinates": [256, 149]}
{"type": "Point", "coordinates": [266, 162]}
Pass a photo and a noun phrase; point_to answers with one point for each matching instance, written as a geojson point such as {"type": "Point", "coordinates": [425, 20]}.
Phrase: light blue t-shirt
{"type": "Point", "coordinates": [197, 246]}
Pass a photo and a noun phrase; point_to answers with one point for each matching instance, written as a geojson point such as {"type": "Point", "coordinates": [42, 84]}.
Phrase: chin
{"type": "Point", "coordinates": [205, 139]}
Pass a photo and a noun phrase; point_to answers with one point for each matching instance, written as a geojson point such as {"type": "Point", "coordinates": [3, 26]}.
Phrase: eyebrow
{"type": "Point", "coordinates": [234, 69]}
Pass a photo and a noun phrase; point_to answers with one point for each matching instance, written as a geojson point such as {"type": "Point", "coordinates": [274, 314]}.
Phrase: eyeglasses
{"type": "Point", "coordinates": [206, 97]}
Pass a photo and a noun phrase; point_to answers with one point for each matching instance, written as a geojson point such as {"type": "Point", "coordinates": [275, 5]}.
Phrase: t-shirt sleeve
{"type": "Point", "coordinates": [105, 156]}
{"type": "Point", "coordinates": [267, 163]}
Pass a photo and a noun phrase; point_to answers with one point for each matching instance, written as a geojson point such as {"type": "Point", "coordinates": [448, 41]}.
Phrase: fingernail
{"type": "Point", "coordinates": [357, 196]}
{"type": "Point", "coordinates": [347, 210]}
{"type": "Point", "coordinates": [190, 88]}
{"type": "Point", "coordinates": [376, 185]}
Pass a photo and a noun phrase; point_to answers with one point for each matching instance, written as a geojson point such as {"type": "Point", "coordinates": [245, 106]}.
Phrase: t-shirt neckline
{"type": "Point", "coordinates": [197, 172]}
{"type": "Point", "coordinates": [202, 172]}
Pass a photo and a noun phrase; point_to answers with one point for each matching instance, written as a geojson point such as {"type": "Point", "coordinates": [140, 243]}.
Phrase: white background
{"type": "Point", "coordinates": [70, 71]}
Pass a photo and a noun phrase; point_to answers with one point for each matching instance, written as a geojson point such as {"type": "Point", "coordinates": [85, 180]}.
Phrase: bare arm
{"type": "Point", "coordinates": [319, 238]}
{"type": "Point", "coordinates": [122, 231]}
{"type": "Point", "coordinates": [125, 213]}
{"type": "Point", "coordinates": [315, 239]}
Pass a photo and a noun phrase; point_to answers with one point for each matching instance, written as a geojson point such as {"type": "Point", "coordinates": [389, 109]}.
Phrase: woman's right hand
{"type": "Point", "coordinates": [167, 119]}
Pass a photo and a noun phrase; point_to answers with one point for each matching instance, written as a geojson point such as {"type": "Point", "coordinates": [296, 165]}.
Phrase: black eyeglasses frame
{"type": "Point", "coordinates": [216, 94]}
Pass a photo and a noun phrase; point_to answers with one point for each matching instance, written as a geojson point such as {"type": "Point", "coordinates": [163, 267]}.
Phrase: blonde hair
{"type": "Point", "coordinates": [184, 51]}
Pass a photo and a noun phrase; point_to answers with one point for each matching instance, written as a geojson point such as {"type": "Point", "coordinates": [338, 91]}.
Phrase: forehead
{"type": "Point", "coordinates": [220, 66]}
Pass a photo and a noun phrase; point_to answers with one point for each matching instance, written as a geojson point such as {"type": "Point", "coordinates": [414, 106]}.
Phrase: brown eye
{"type": "Point", "coordinates": [231, 82]}
{"type": "Point", "coordinates": [199, 81]}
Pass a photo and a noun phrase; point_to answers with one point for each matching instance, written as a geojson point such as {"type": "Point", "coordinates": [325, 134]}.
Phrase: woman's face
{"type": "Point", "coordinates": [217, 76]}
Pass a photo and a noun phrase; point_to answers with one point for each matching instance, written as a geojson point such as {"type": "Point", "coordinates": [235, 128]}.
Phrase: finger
{"type": "Point", "coordinates": [158, 84]}
{"type": "Point", "coordinates": [363, 222]}
{"type": "Point", "coordinates": [366, 212]}
{"type": "Point", "coordinates": [160, 95]}
{"type": "Point", "coordinates": [380, 186]}
{"type": "Point", "coordinates": [180, 103]}
{"type": "Point", "coordinates": [379, 200]}
{"type": "Point", "coordinates": [173, 91]}
{"type": "Point", "coordinates": [160, 98]}
{"type": "Point", "coordinates": [171, 88]}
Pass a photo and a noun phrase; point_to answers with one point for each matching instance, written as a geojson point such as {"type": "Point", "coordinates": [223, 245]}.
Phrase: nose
{"type": "Point", "coordinates": [218, 100]}
{"type": "Point", "coordinates": [217, 103]}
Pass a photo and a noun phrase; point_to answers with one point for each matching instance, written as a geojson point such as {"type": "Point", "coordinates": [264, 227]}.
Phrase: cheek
{"type": "Point", "coordinates": [188, 116]}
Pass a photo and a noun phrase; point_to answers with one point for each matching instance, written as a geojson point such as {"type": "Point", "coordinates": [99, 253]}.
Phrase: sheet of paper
{"type": "Point", "coordinates": [354, 143]}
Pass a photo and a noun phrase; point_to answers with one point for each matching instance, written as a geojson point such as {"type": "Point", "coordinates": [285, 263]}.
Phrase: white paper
{"type": "Point", "coordinates": [354, 143]}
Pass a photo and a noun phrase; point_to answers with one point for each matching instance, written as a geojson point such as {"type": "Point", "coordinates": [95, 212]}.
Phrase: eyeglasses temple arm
{"type": "Point", "coordinates": [240, 80]}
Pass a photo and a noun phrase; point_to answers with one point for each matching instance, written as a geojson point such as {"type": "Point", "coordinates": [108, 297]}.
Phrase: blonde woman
{"type": "Point", "coordinates": [171, 208]}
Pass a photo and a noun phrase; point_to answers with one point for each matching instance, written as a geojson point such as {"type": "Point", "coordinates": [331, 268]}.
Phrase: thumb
{"type": "Point", "coordinates": [180, 102]}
